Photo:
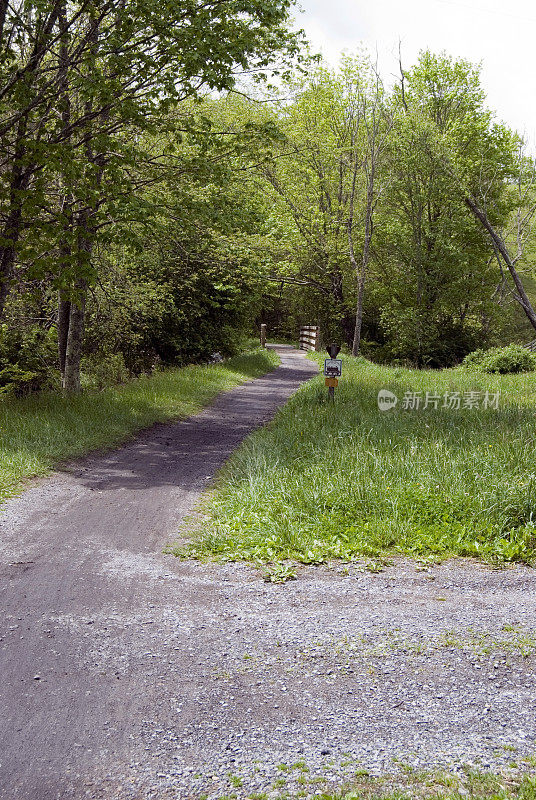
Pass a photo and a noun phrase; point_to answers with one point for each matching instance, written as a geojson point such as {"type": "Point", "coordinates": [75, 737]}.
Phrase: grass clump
{"type": "Point", "coordinates": [453, 476]}
{"type": "Point", "coordinates": [440, 786]}
{"type": "Point", "coordinates": [38, 431]}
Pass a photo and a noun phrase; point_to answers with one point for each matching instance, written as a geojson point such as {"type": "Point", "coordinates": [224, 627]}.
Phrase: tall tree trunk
{"type": "Point", "coordinates": [84, 226]}
{"type": "Point", "coordinates": [362, 274]}
{"type": "Point", "coordinates": [20, 178]}
{"type": "Point", "coordinates": [3, 10]}
{"type": "Point", "coordinates": [66, 218]}
{"type": "Point", "coordinates": [502, 250]}
{"type": "Point", "coordinates": [359, 314]}
{"type": "Point", "coordinates": [64, 315]}
{"type": "Point", "coordinates": [75, 335]}
{"type": "Point", "coordinates": [346, 322]}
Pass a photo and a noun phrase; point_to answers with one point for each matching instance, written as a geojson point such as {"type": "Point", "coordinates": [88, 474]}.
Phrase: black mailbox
{"type": "Point", "coordinates": [333, 350]}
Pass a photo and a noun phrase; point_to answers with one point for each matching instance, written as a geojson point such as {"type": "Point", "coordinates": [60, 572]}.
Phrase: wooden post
{"type": "Point", "coordinates": [263, 335]}
{"type": "Point", "coordinates": [331, 382]}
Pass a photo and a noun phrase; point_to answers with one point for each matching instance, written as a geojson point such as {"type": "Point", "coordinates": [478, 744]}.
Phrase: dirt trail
{"type": "Point", "coordinates": [80, 553]}
{"type": "Point", "coordinates": [127, 674]}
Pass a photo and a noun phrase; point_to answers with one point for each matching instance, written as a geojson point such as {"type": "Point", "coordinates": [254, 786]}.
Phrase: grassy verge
{"type": "Point", "coordinates": [409, 784]}
{"type": "Point", "coordinates": [443, 786]}
{"type": "Point", "coordinates": [346, 480]}
{"type": "Point", "coordinates": [38, 431]}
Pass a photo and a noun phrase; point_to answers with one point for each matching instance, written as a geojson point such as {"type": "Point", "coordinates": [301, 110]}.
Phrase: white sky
{"type": "Point", "coordinates": [500, 34]}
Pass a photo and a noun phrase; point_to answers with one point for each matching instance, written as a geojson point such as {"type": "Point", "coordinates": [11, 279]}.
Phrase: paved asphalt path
{"type": "Point", "coordinates": [81, 574]}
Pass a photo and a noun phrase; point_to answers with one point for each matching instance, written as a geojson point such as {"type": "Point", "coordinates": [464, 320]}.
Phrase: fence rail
{"type": "Point", "coordinates": [531, 346]}
{"type": "Point", "coordinates": [309, 337]}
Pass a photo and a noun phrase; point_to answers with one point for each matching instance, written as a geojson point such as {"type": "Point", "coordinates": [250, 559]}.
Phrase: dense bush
{"type": "Point", "coordinates": [502, 360]}
{"type": "Point", "coordinates": [101, 371]}
{"type": "Point", "coordinates": [475, 358]}
{"type": "Point", "coordinates": [27, 359]}
{"type": "Point", "coordinates": [159, 309]}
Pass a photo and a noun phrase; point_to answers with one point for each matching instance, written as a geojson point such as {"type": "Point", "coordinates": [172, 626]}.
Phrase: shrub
{"type": "Point", "coordinates": [475, 358]}
{"type": "Point", "coordinates": [27, 360]}
{"type": "Point", "coordinates": [100, 371]}
{"type": "Point", "coordinates": [18, 382]}
{"type": "Point", "coordinates": [502, 360]}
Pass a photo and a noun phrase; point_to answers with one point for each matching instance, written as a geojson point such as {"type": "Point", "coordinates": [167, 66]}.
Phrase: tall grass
{"type": "Point", "coordinates": [347, 480]}
{"type": "Point", "coordinates": [38, 431]}
{"type": "Point", "coordinates": [518, 783]}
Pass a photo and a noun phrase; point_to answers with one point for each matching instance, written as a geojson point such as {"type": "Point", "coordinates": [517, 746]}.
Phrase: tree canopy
{"type": "Point", "coordinates": [172, 174]}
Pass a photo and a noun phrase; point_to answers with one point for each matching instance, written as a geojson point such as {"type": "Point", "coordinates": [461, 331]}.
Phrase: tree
{"type": "Point", "coordinates": [327, 175]}
{"type": "Point", "coordinates": [510, 246]}
{"type": "Point", "coordinates": [378, 121]}
{"type": "Point", "coordinates": [422, 151]}
{"type": "Point", "coordinates": [117, 69]}
{"type": "Point", "coordinates": [435, 260]}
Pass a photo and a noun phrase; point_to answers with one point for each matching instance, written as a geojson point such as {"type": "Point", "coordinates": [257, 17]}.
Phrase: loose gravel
{"type": "Point", "coordinates": [278, 688]}
{"type": "Point", "coordinates": [128, 674]}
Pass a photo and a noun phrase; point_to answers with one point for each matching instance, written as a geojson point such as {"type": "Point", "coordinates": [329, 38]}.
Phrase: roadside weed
{"type": "Point", "coordinates": [346, 481]}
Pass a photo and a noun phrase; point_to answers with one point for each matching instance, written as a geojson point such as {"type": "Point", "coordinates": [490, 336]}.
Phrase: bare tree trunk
{"type": "Point", "coordinates": [20, 178]}
{"type": "Point", "coordinates": [502, 250]}
{"type": "Point", "coordinates": [378, 124]}
{"type": "Point", "coordinates": [64, 314]}
{"type": "Point", "coordinates": [359, 314]}
{"type": "Point", "coordinates": [85, 238]}
{"type": "Point", "coordinates": [64, 301]}
{"type": "Point", "coordinates": [362, 275]}
{"type": "Point", "coordinates": [337, 293]}
{"type": "Point", "coordinates": [75, 335]}
{"type": "Point", "coordinates": [3, 10]}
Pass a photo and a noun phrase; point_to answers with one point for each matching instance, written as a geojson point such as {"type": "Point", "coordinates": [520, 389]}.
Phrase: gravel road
{"type": "Point", "coordinates": [126, 673]}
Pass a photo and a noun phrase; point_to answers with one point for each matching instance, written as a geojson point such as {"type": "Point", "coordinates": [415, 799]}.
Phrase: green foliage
{"type": "Point", "coordinates": [100, 371]}
{"type": "Point", "coordinates": [184, 282]}
{"type": "Point", "coordinates": [348, 481]}
{"type": "Point", "coordinates": [408, 783]}
{"type": "Point", "coordinates": [434, 259]}
{"type": "Point", "coordinates": [101, 143]}
{"type": "Point", "coordinates": [27, 355]}
{"type": "Point", "coordinates": [432, 280]}
{"type": "Point", "coordinates": [315, 177]}
{"type": "Point", "coordinates": [502, 360]}
{"type": "Point", "coordinates": [474, 358]}
{"type": "Point", "coordinates": [177, 212]}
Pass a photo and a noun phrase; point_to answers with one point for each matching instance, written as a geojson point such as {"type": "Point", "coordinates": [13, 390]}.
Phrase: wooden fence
{"type": "Point", "coordinates": [309, 337]}
{"type": "Point", "coordinates": [531, 346]}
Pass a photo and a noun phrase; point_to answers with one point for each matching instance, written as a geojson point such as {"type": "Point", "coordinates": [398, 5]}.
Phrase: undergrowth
{"type": "Point", "coordinates": [345, 480]}
{"type": "Point", "coordinates": [38, 431]}
{"type": "Point", "coordinates": [441, 786]}
{"type": "Point", "coordinates": [515, 782]}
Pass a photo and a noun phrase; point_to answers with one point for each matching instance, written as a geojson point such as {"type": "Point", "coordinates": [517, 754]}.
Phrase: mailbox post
{"type": "Point", "coordinates": [332, 369]}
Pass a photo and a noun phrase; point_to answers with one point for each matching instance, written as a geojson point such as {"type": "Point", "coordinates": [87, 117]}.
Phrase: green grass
{"type": "Point", "coordinates": [38, 431]}
{"type": "Point", "coordinates": [345, 480]}
{"type": "Point", "coordinates": [516, 782]}
{"type": "Point", "coordinates": [440, 786]}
